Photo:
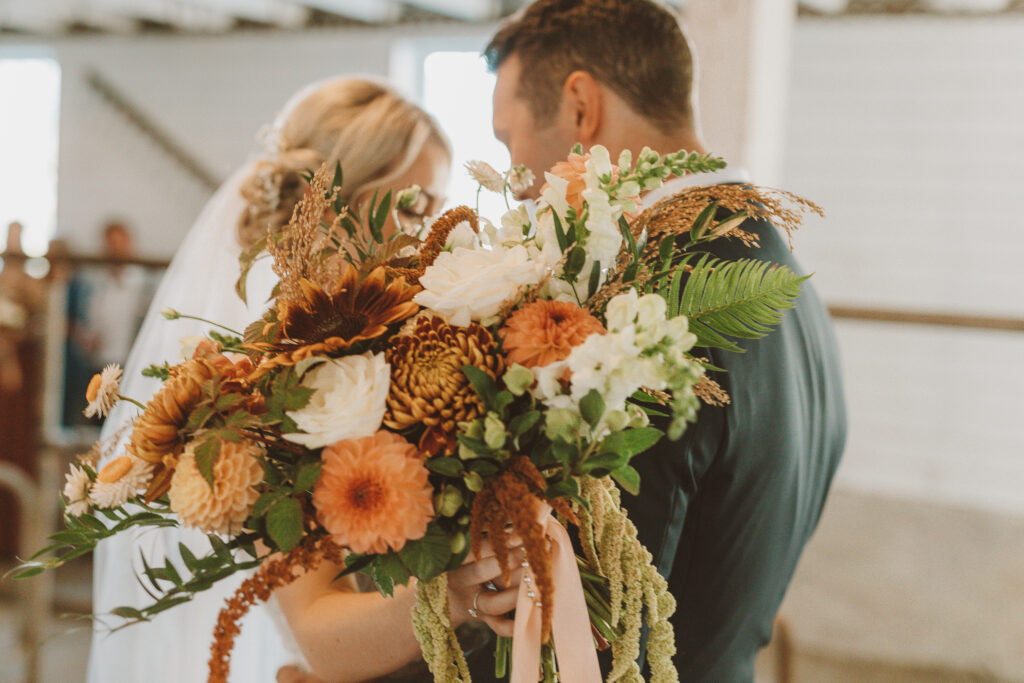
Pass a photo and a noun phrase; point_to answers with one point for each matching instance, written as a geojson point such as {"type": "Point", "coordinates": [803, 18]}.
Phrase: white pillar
{"type": "Point", "coordinates": [743, 59]}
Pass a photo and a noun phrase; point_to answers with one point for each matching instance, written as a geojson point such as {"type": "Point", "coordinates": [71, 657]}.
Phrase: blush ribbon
{"type": "Point", "coordinates": [570, 620]}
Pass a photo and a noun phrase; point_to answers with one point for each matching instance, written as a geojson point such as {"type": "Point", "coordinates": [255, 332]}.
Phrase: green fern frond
{"type": "Point", "coordinates": [744, 298]}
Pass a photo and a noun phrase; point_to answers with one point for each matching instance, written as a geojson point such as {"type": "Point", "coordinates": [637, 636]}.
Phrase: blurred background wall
{"type": "Point", "coordinates": [903, 119]}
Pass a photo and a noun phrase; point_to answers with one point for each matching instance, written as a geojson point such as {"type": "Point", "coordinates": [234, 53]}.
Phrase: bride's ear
{"type": "Point", "coordinates": [583, 101]}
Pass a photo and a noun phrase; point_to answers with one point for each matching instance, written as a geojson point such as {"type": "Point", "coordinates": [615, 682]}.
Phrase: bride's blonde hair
{"type": "Point", "coordinates": [374, 132]}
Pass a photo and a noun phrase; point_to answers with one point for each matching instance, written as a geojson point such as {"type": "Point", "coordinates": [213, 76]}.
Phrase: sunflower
{"type": "Point", "coordinates": [428, 385]}
{"type": "Point", "coordinates": [324, 322]}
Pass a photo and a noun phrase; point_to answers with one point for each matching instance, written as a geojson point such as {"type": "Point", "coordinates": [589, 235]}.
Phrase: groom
{"type": "Point", "coordinates": [727, 510]}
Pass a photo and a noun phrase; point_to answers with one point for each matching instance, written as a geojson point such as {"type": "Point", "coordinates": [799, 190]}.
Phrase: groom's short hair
{"type": "Point", "coordinates": [635, 47]}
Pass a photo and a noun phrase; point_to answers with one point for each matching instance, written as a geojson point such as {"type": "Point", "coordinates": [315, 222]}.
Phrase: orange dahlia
{"type": "Point", "coordinates": [373, 493]}
{"type": "Point", "coordinates": [544, 332]}
{"type": "Point", "coordinates": [326, 321]}
{"type": "Point", "coordinates": [428, 386]}
{"type": "Point", "coordinates": [224, 507]}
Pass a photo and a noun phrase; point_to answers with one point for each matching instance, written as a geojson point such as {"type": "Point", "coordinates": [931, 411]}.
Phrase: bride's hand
{"type": "Point", "coordinates": [477, 587]}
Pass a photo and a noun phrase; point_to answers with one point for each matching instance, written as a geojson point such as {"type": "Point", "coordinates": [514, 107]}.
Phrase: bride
{"type": "Point", "coordinates": [345, 634]}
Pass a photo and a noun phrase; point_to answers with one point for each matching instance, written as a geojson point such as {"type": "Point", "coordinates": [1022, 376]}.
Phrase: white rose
{"type": "Point", "coordinates": [472, 284]}
{"type": "Point", "coordinates": [348, 400]}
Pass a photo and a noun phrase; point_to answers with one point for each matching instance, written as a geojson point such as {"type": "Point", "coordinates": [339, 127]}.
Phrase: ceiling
{"type": "Point", "coordinates": [62, 17]}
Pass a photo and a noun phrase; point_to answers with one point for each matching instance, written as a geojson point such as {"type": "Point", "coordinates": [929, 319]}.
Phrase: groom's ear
{"type": "Point", "coordinates": [583, 100]}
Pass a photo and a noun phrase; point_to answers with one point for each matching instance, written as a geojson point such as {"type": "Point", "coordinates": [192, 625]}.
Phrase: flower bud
{"type": "Point", "coordinates": [458, 543]}
{"type": "Point", "coordinates": [518, 379]}
{"type": "Point", "coordinates": [407, 197]}
{"type": "Point", "coordinates": [170, 314]}
{"type": "Point", "coordinates": [448, 501]}
{"type": "Point", "coordinates": [494, 431]}
{"type": "Point", "coordinates": [561, 424]}
{"type": "Point", "coordinates": [474, 482]}
{"type": "Point", "coordinates": [616, 420]}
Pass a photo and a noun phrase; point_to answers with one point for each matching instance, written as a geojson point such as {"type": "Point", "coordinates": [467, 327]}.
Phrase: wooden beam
{"type": "Point", "coordinates": [464, 10]}
{"type": "Point", "coordinates": [186, 16]}
{"type": "Point", "coordinates": [273, 12]}
{"type": "Point", "coordinates": [367, 11]}
{"type": "Point", "coordinates": [885, 315]}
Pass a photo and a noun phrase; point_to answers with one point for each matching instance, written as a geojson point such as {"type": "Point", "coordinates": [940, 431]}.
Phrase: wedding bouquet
{"type": "Point", "coordinates": [404, 400]}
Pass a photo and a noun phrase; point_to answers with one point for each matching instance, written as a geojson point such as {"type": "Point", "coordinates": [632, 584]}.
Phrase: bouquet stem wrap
{"type": "Point", "coordinates": [570, 620]}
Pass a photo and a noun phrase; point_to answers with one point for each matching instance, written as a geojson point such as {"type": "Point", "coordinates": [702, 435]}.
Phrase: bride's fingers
{"type": "Point", "coordinates": [500, 625]}
{"type": "Point", "coordinates": [495, 604]}
{"type": "Point", "coordinates": [485, 570]}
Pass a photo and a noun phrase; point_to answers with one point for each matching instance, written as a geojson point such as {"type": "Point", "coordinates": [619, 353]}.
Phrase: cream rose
{"type": "Point", "coordinates": [348, 400]}
{"type": "Point", "coordinates": [472, 284]}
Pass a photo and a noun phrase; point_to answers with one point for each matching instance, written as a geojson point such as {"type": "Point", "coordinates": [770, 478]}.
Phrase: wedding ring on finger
{"type": "Point", "coordinates": [474, 611]}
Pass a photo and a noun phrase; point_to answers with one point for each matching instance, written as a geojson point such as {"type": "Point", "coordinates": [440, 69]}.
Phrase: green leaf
{"type": "Point", "coordinates": [387, 571]}
{"type": "Point", "coordinates": [336, 182]}
{"type": "Point", "coordinates": [427, 557]}
{"type": "Point", "coordinates": [206, 454]}
{"type": "Point", "coordinates": [127, 613]}
{"type": "Point", "coordinates": [567, 487]}
{"type": "Point", "coordinates": [482, 384]}
{"type": "Point", "coordinates": [523, 423]}
{"type": "Point", "coordinates": [284, 523]}
{"type": "Point", "coordinates": [502, 400]}
{"type": "Point", "coordinates": [563, 239]}
{"type": "Point", "coordinates": [485, 468]}
{"type": "Point", "coordinates": [446, 466]}
{"type": "Point", "coordinates": [592, 407]}
{"type": "Point", "coordinates": [187, 557]}
{"type": "Point", "coordinates": [627, 235]}
{"type": "Point", "coordinates": [595, 279]}
{"type": "Point", "coordinates": [574, 264]}
{"type": "Point", "coordinates": [743, 299]}
{"type": "Point", "coordinates": [631, 442]}
{"type": "Point", "coordinates": [628, 478]}
{"type": "Point", "coordinates": [601, 464]}
{"type": "Point", "coordinates": [307, 476]}
{"type": "Point", "coordinates": [703, 220]}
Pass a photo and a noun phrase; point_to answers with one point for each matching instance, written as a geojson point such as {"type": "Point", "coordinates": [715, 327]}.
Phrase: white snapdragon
{"type": "Point", "coordinates": [598, 166]}
{"type": "Point", "coordinates": [640, 349]}
{"type": "Point", "coordinates": [604, 239]}
{"type": "Point", "coordinates": [554, 193]}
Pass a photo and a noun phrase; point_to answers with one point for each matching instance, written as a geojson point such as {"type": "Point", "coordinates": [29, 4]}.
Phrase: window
{"type": "Point", "coordinates": [29, 130]}
{"type": "Point", "coordinates": [447, 79]}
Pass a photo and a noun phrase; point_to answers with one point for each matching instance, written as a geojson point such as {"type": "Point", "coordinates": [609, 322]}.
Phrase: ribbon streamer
{"type": "Point", "coordinates": [570, 620]}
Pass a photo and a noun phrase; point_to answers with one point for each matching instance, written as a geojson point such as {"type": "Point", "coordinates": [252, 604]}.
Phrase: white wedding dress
{"type": "Point", "coordinates": [175, 646]}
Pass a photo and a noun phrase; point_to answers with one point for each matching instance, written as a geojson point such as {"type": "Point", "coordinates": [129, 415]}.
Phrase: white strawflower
{"type": "Point", "coordinates": [472, 284]}
{"type": "Point", "coordinates": [484, 174]}
{"type": "Point", "coordinates": [76, 491]}
{"type": "Point", "coordinates": [119, 480]}
{"type": "Point", "coordinates": [515, 224]}
{"type": "Point", "coordinates": [189, 345]}
{"type": "Point", "coordinates": [348, 401]}
{"type": "Point", "coordinates": [520, 179]}
{"type": "Point", "coordinates": [102, 392]}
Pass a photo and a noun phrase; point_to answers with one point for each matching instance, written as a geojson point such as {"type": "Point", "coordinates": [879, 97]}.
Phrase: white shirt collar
{"type": "Point", "coordinates": [729, 174]}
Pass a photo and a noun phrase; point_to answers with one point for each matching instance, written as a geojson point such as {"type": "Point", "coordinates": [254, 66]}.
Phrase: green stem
{"type": "Point", "coordinates": [131, 400]}
{"type": "Point", "coordinates": [208, 322]}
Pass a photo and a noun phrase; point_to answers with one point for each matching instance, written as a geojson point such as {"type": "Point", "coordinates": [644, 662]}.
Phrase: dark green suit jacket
{"type": "Point", "coordinates": [726, 510]}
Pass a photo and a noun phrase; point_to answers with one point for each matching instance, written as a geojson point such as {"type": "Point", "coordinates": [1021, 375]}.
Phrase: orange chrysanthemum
{"type": "Point", "coordinates": [544, 332]}
{"type": "Point", "coordinates": [324, 321]}
{"type": "Point", "coordinates": [373, 493]}
{"type": "Point", "coordinates": [428, 385]}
